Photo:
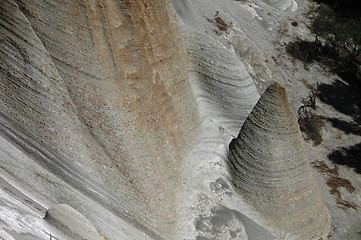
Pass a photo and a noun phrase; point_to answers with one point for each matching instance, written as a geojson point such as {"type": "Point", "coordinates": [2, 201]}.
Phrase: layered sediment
{"type": "Point", "coordinates": [283, 5]}
{"type": "Point", "coordinates": [75, 224]}
{"type": "Point", "coordinates": [271, 170]}
{"type": "Point", "coordinates": [100, 90]}
{"type": "Point", "coordinates": [105, 108]}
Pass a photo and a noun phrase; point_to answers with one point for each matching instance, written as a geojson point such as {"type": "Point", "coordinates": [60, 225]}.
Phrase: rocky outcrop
{"type": "Point", "coordinates": [99, 89]}
{"type": "Point", "coordinates": [283, 5]}
{"type": "Point", "coordinates": [122, 112]}
{"type": "Point", "coordinates": [271, 170]}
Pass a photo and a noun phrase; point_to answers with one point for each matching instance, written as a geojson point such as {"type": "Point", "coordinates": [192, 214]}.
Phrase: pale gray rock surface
{"type": "Point", "coordinates": [124, 111]}
{"type": "Point", "coordinates": [283, 5]}
{"type": "Point", "coordinates": [270, 168]}
{"type": "Point", "coordinates": [71, 222]}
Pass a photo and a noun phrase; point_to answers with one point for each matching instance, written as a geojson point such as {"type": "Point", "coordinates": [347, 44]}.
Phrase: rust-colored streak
{"type": "Point", "coordinates": [125, 69]}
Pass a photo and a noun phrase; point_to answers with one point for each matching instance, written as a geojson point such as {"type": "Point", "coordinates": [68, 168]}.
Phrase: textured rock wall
{"type": "Point", "coordinates": [283, 5]}
{"type": "Point", "coordinates": [270, 168]}
{"type": "Point", "coordinates": [76, 225]}
{"type": "Point", "coordinates": [124, 114]}
{"type": "Point", "coordinates": [106, 98]}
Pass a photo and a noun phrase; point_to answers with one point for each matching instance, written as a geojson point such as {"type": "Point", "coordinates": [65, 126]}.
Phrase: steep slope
{"type": "Point", "coordinates": [105, 100]}
{"type": "Point", "coordinates": [271, 170]}
{"type": "Point", "coordinates": [99, 96]}
{"type": "Point", "coordinates": [118, 115]}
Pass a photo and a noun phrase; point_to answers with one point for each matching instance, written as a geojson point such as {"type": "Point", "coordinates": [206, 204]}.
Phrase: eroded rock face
{"type": "Point", "coordinates": [105, 99]}
{"type": "Point", "coordinates": [283, 5]}
{"type": "Point", "coordinates": [69, 220]}
{"type": "Point", "coordinates": [117, 109]}
{"type": "Point", "coordinates": [270, 168]}
{"type": "Point", "coordinates": [220, 225]}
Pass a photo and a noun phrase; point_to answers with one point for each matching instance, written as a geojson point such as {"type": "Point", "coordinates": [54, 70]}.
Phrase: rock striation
{"type": "Point", "coordinates": [97, 93]}
{"type": "Point", "coordinates": [74, 223]}
{"type": "Point", "coordinates": [271, 171]}
{"type": "Point", "coordinates": [124, 113]}
{"type": "Point", "coordinates": [283, 5]}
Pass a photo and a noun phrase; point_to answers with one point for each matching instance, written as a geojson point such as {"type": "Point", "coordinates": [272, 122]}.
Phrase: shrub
{"type": "Point", "coordinates": [323, 21]}
{"type": "Point", "coordinates": [303, 50]}
{"type": "Point", "coordinates": [310, 100]}
{"type": "Point", "coordinates": [310, 123]}
{"type": "Point", "coordinates": [338, 31]}
{"type": "Point", "coordinates": [348, 35]}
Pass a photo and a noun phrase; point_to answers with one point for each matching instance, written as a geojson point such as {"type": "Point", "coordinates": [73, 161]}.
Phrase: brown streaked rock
{"type": "Point", "coordinates": [270, 168]}
{"type": "Point", "coordinates": [100, 90]}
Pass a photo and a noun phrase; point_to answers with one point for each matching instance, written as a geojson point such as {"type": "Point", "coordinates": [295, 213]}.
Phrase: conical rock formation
{"type": "Point", "coordinates": [270, 169]}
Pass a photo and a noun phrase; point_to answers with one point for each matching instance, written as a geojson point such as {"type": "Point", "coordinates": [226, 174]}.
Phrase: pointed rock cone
{"type": "Point", "coordinates": [269, 166]}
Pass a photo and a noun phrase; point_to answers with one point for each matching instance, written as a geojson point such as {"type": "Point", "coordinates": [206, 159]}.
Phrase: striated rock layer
{"type": "Point", "coordinates": [97, 92]}
{"type": "Point", "coordinates": [283, 5]}
{"type": "Point", "coordinates": [270, 168]}
{"type": "Point", "coordinates": [76, 225]}
{"type": "Point", "coordinates": [114, 114]}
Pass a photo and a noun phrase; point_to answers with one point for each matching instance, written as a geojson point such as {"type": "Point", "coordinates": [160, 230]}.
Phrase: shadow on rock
{"type": "Point", "coordinates": [345, 99]}
{"type": "Point", "coordinates": [342, 97]}
{"type": "Point", "coordinates": [347, 127]}
{"type": "Point", "coordinates": [226, 223]}
{"type": "Point", "coordinates": [348, 156]}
